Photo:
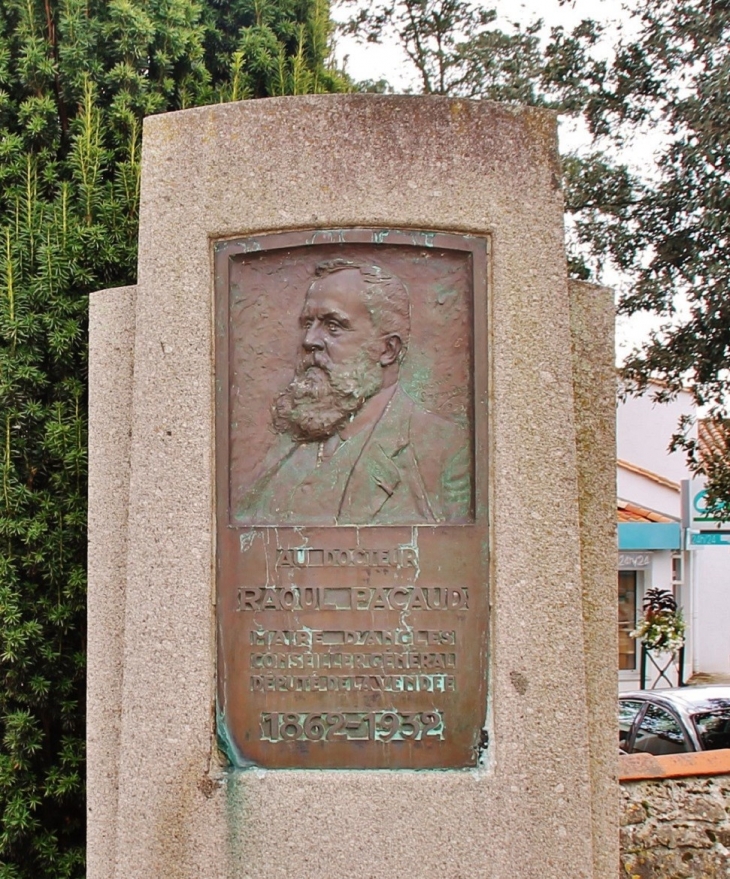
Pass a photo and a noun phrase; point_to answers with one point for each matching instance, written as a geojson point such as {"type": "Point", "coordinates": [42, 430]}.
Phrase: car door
{"type": "Point", "coordinates": [659, 731]}
{"type": "Point", "coordinates": [628, 712]}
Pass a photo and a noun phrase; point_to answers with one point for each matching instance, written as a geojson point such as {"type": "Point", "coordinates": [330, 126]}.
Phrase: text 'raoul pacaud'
{"type": "Point", "coordinates": [408, 598]}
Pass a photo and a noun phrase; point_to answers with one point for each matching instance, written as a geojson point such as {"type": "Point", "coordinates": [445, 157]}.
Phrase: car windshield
{"type": "Point", "coordinates": [713, 728]}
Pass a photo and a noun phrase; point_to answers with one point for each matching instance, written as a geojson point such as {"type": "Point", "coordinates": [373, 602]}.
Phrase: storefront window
{"type": "Point", "coordinates": [627, 597]}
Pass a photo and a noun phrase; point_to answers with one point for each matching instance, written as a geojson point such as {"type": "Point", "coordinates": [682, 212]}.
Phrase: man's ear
{"type": "Point", "coordinates": [392, 346]}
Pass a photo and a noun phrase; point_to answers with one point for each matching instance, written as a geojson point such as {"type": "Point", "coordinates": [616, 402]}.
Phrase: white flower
{"type": "Point", "coordinates": [663, 630]}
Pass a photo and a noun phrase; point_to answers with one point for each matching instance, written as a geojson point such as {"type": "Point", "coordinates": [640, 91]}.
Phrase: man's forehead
{"type": "Point", "coordinates": [341, 292]}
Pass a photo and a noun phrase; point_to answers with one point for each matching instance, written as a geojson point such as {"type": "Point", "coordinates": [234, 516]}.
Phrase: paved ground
{"type": "Point", "coordinates": [699, 679]}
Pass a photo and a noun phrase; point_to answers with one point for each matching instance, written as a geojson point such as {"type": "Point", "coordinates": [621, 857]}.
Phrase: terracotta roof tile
{"type": "Point", "coordinates": [711, 438]}
{"type": "Point", "coordinates": [649, 474]}
{"type": "Point", "coordinates": [628, 512]}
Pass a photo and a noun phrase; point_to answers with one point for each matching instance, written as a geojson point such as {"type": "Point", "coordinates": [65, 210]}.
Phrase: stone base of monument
{"type": "Point", "coordinates": [351, 541]}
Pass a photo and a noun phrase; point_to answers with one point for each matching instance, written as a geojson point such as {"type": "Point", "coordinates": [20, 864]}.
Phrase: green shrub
{"type": "Point", "coordinates": [76, 80]}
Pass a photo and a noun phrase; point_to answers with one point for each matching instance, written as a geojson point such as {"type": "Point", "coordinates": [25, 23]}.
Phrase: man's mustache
{"type": "Point", "coordinates": [313, 361]}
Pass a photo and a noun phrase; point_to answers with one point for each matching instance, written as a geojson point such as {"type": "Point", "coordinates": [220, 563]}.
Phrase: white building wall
{"type": "Point", "coordinates": [711, 611]}
{"type": "Point", "coordinates": [647, 493]}
{"type": "Point", "coordinates": [661, 570]}
{"type": "Point", "coordinates": [644, 431]}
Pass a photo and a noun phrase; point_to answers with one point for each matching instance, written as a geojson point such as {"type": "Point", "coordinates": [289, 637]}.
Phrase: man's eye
{"type": "Point", "coordinates": [306, 323]}
{"type": "Point", "coordinates": [333, 326]}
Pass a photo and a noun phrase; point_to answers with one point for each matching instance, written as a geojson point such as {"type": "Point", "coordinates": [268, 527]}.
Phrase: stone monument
{"type": "Point", "coordinates": [351, 505]}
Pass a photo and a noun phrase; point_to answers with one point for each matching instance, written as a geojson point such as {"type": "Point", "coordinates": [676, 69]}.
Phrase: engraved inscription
{"type": "Point", "coordinates": [308, 557]}
{"type": "Point", "coordinates": [352, 683]}
{"type": "Point", "coordinates": [358, 638]}
{"type": "Point", "coordinates": [353, 660]}
{"type": "Point", "coordinates": [378, 726]}
{"type": "Point", "coordinates": [291, 598]}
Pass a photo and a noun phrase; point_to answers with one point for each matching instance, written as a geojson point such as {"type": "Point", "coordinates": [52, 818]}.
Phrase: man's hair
{"type": "Point", "coordinates": [386, 296]}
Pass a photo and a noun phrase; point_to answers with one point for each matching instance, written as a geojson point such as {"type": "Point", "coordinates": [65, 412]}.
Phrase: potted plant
{"type": "Point", "coordinates": [663, 626]}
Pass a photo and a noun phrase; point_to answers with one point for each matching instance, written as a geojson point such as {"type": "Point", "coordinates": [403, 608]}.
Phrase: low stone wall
{"type": "Point", "coordinates": [675, 820]}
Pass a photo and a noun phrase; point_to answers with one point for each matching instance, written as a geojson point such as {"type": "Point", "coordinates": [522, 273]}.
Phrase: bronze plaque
{"type": "Point", "coordinates": [351, 370]}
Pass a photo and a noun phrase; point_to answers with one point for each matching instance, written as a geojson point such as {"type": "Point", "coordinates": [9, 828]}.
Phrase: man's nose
{"type": "Point", "coordinates": [313, 338]}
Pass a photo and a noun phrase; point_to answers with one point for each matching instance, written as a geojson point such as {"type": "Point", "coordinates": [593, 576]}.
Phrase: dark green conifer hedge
{"type": "Point", "coordinates": [76, 79]}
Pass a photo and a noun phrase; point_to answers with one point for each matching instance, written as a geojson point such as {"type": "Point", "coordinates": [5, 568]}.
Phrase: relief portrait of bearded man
{"type": "Point", "coordinates": [353, 448]}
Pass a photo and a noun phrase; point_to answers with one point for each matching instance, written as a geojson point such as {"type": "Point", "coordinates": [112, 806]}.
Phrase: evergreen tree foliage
{"type": "Point", "coordinates": [76, 79]}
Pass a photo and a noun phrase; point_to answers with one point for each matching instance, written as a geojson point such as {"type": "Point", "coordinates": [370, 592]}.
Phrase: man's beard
{"type": "Point", "coordinates": [319, 400]}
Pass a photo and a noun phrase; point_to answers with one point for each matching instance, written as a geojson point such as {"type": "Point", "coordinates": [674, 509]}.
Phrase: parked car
{"type": "Point", "coordinates": [675, 720]}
